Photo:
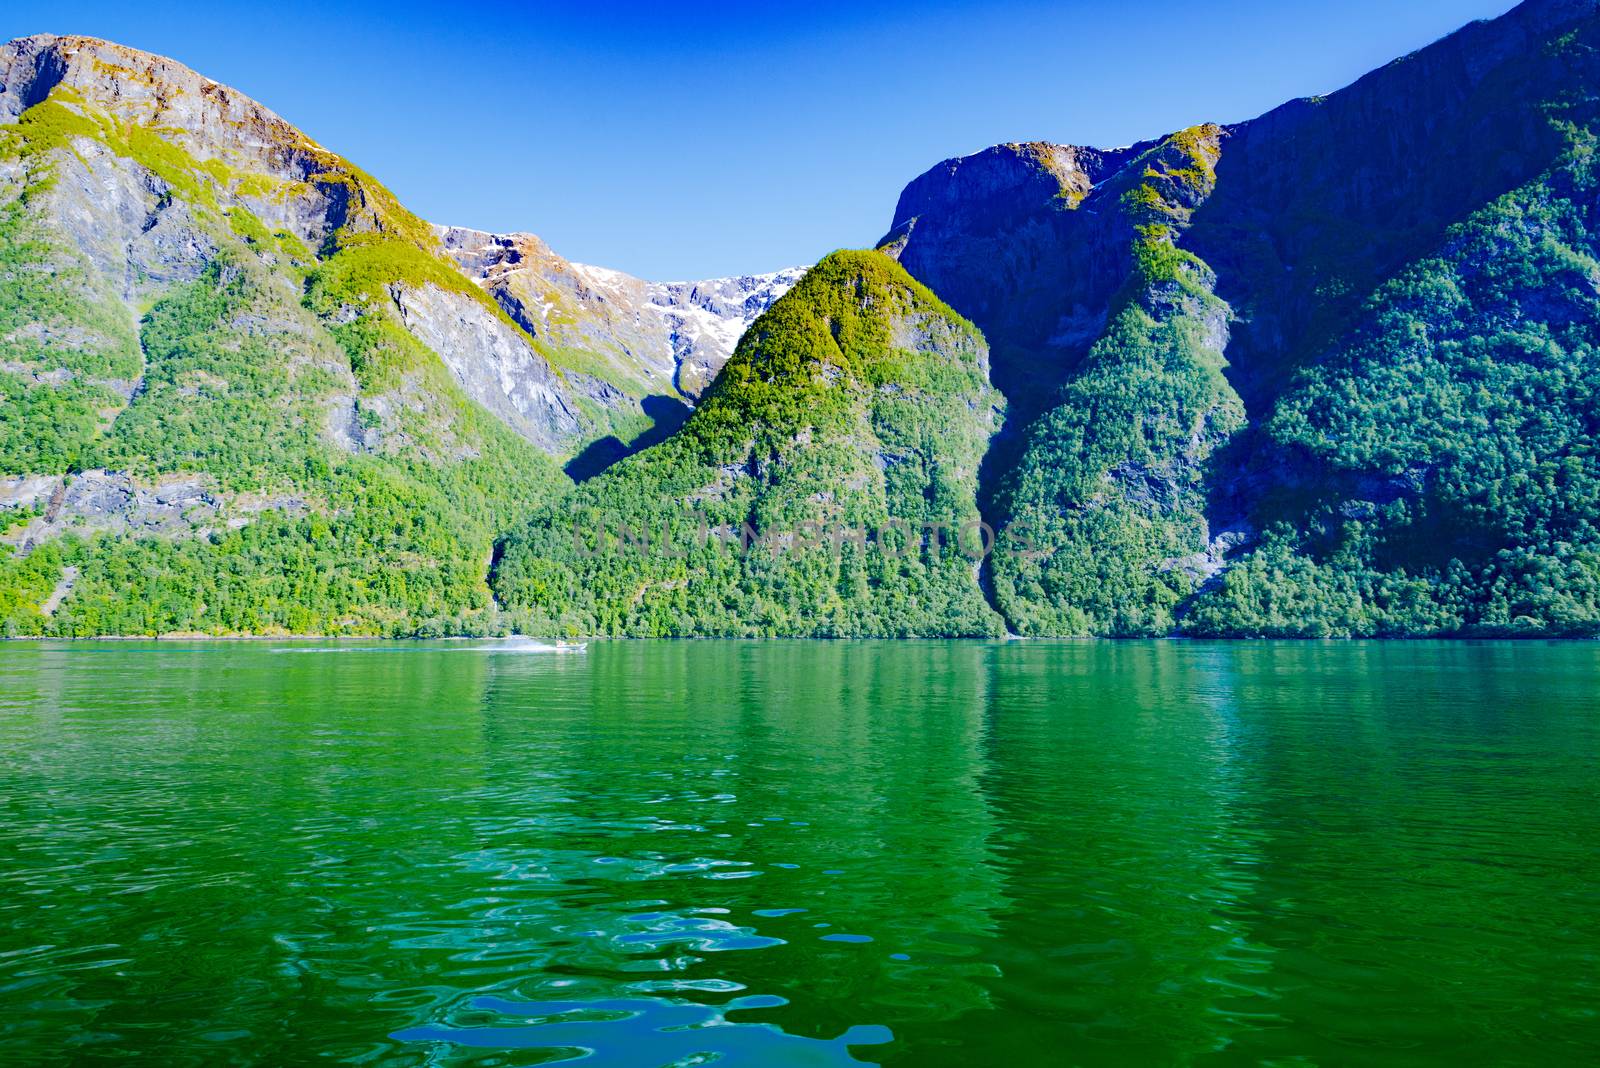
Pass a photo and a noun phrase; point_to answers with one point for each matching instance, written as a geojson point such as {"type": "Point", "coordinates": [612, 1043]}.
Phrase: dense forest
{"type": "Point", "coordinates": [1440, 467]}
{"type": "Point", "coordinates": [822, 488]}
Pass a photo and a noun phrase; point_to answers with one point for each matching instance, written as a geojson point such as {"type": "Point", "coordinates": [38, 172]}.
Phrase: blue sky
{"type": "Point", "coordinates": [681, 139]}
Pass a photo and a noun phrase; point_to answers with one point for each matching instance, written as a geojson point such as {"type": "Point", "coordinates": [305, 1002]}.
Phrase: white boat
{"type": "Point", "coordinates": [517, 643]}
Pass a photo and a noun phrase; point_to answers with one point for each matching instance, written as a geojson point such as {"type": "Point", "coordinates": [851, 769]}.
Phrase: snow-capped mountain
{"type": "Point", "coordinates": [644, 337]}
{"type": "Point", "coordinates": [705, 319]}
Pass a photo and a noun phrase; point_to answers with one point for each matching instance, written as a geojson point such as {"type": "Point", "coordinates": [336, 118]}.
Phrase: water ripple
{"type": "Point", "coordinates": [630, 1032]}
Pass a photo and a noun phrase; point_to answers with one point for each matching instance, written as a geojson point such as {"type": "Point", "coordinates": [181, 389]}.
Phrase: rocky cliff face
{"type": "Point", "coordinates": [1016, 238]}
{"type": "Point", "coordinates": [648, 338]}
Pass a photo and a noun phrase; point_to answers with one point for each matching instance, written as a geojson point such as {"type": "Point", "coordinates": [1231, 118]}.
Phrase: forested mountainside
{"type": "Point", "coordinates": [243, 389]}
{"type": "Point", "coordinates": [821, 489]}
{"type": "Point", "coordinates": [1329, 372]}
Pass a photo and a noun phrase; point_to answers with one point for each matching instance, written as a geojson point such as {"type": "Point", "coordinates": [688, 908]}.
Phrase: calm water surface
{"type": "Point", "coordinates": [801, 854]}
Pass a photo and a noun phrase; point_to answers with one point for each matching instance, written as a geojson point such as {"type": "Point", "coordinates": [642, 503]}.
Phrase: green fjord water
{"type": "Point", "coordinates": [800, 854]}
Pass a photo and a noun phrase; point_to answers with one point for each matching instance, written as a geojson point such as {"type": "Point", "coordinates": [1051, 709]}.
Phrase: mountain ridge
{"type": "Point", "coordinates": [317, 196]}
{"type": "Point", "coordinates": [1327, 372]}
{"type": "Point", "coordinates": [799, 498]}
{"type": "Point", "coordinates": [243, 387]}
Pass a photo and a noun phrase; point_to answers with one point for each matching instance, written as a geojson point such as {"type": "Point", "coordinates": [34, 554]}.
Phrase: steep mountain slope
{"type": "Point", "coordinates": [822, 487]}
{"type": "Point", "coordinates": [1435, 471]}
{"type": "Point", "coordinates": [145, 153]}
{"type": "Point", "coordinates": [641, 352]}
{"type": "Point", "coordinates": [241, 389]}
{"type": "Point", "coordinates": [1191, 331]}
{"type": "Point", "coordinates": [1131, 431]}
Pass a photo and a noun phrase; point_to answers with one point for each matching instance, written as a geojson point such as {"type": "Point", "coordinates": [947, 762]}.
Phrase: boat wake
{"type": "Point", "coordinates": [462, 645]}
{"type": "Point", "coordinates": [528, 645]}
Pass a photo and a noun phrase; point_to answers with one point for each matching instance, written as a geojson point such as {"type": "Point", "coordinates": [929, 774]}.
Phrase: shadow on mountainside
{"type": "Point", "coordinates": [666, 416]}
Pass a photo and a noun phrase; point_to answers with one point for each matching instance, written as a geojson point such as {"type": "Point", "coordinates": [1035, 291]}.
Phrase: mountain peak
{"type": "Point", "coordinates": [136, 86]}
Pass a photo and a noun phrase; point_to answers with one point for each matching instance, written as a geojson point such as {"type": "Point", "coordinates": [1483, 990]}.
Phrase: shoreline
{"type": "Point", "coordinates": [1005, 639]}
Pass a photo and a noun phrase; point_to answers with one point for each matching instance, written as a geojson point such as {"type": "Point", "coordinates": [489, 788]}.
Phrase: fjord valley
{"type": "Point", "coordinates": [1329, 372]}
{"type": "Point", "coordinates": [1332, 372]}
